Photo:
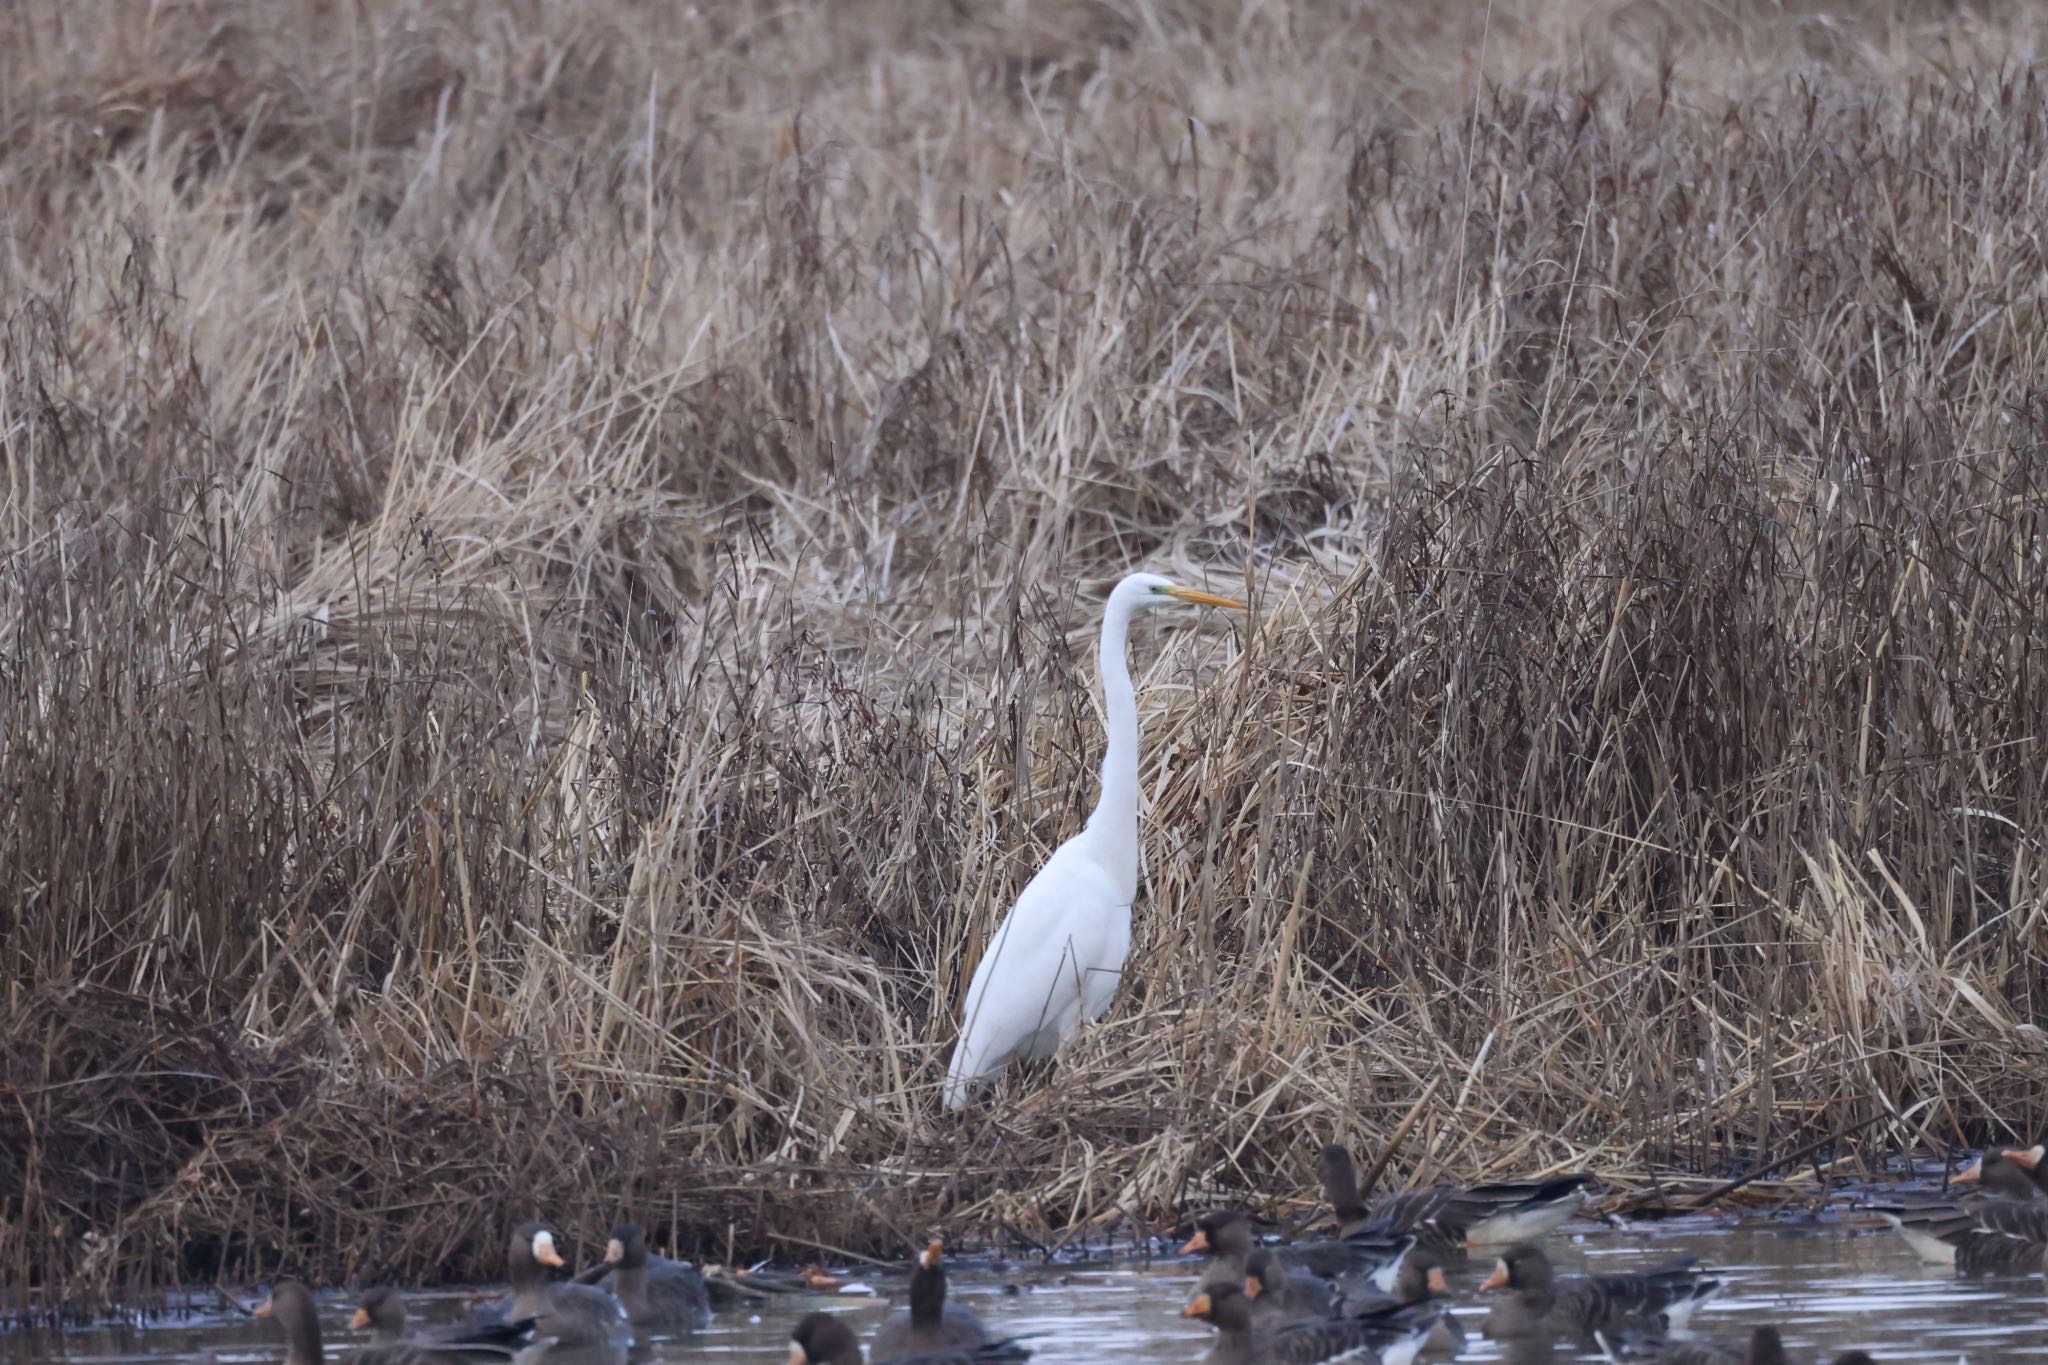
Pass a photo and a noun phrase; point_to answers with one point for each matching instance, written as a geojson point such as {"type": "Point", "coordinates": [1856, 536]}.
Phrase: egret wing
{"type": "Point", "coordinates": [1055, 954]}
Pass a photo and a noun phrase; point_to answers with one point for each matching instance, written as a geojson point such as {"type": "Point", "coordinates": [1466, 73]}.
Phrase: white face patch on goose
{"type": "Point", "coordinates": [543, 1244]}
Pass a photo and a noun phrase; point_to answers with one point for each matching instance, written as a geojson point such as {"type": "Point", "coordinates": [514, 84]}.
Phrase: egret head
{"type": "Point", "coordinates": [1150, 590]}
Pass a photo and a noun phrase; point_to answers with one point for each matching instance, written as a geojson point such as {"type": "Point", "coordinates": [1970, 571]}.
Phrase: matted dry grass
{"type": "Point", "coordinates": [551, 553]}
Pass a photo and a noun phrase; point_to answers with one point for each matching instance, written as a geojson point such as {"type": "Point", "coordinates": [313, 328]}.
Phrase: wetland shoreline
{"type": "Point", "coordinates": [1828, 1288]}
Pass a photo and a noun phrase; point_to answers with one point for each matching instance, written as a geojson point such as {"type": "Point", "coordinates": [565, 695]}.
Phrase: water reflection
{"type": "Point", "coordinates": [1827, 1289]}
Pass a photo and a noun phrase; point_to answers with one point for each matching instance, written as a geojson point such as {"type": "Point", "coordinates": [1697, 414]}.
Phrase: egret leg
{"type": "Point", "coordinates": [1037, 1071]}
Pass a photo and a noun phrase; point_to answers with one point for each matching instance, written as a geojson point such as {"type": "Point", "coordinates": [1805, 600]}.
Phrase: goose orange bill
{"type": "Point", "coordinates": [1205, 599]}
{"type": "Point", "coordinates": [360, 1319]}
{"type": "Point", "coordinates": [1198, 1307]}
{"type": "Point", "coordinates": [1498, 1278]}
{"type": "Point", "coordinates": [1198, 1242]}
{"type": "Point", "coordinates": [1970, 1176]}
{"type": "Point", "coordinates": [1253, 1286]}
{"type": "Point", "coordinates": [263, 1309]}
{"type": "Point", "coordinates": [614, 1251]}
{"type": "Point", "coordinates": [929, 1257]}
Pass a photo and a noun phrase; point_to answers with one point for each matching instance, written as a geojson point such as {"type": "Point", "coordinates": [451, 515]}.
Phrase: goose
{"type": "Point", "coordinates": [931, 1324]}
{"type": "Point", "coordinates": [381, 1311]}
{"type": "Point", "coordinates": [565, 1314]}
{"type": "Point", "coordinates": [290, 1305]}
{"type": "Point", "coordinates": [1227, 1235]}
{"type": "Point", "coordinates": [1416, 1277]}
{"type": "Point", "coordinates": [2003, 1228]}
{"type": "Point", "coordinates": [1278, 1295]}
{"type": "Point", "coordinates": [1449, 1217]}
{"type": "Point", "coordinates": [2011, 1173]}
{"type": "Point", "coordinates": [1393, 1337]}
{"type": "Point", "coordinates": [1538, 1303]}
{"type": "Point", "coordinates": [657, 1293]}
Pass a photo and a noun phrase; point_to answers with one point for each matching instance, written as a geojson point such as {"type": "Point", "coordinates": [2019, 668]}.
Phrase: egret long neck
{"type": "Point", "coordinates": [1114, 824]}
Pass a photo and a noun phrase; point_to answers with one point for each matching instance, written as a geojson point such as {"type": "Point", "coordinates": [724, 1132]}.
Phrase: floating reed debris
{"type": "Point", "coordinates": [550, 554]}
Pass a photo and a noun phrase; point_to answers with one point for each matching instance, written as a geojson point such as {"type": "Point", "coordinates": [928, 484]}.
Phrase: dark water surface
{"type": "Point", "coordinates": [1827, 1288]}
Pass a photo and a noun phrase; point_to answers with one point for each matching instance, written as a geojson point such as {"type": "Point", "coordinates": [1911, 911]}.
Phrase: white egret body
{"type": "Point", "coordinates": [1057, 957]}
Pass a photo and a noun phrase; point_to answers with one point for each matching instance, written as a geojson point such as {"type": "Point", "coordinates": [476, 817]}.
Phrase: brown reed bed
{"type": "Point", "coordinates": [550, 555]}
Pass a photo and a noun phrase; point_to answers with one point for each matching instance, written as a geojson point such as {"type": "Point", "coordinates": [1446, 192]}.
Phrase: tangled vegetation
{"type": "Point", "coordinates": [550, 555]}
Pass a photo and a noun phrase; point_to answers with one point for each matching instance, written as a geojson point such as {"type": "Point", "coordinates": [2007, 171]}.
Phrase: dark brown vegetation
{"type": "Point", "coordinates": [550, 550]}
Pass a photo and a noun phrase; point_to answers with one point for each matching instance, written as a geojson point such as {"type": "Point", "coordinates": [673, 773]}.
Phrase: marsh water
{"type": "Point", "coordinates": [1827, 1285]}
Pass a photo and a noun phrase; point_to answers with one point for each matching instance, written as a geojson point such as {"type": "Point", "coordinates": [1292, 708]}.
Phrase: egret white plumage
{"type": "Point", "coordinates": [1055, 960]}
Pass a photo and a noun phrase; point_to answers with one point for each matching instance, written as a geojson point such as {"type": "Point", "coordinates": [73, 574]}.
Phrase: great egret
{"type": "Point", "coordinates": [1057, 956]}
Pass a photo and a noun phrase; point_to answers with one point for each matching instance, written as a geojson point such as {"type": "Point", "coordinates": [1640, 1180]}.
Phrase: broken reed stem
{"type": "Point", "coordinates": [1370, 1181]}
{"type": "Point", "coordinates": [1831, 1141]}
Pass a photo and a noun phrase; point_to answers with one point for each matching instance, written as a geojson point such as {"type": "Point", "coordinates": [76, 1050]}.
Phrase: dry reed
{"type": "Point", "coordinates": [550, 553]}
